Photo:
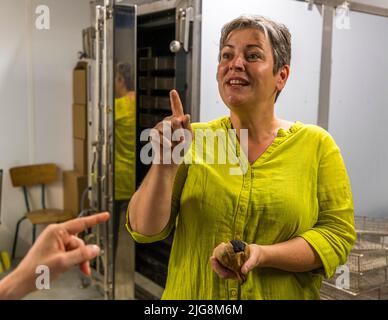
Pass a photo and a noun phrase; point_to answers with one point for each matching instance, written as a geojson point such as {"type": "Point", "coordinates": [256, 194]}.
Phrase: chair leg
{"type": "Point", "coordinates": [16, 237]}
{"type": "Point", "coordinates": [33, 233]}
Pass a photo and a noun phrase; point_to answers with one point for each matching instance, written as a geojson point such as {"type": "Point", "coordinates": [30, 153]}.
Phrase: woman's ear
{"type": "Point", "coordinates": [283, 74]}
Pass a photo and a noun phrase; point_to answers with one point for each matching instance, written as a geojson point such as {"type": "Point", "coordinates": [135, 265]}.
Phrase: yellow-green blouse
{"type": "Point", "coordinates": [297, 187]}
{"type": "Point", "coordinates": [125, 153]}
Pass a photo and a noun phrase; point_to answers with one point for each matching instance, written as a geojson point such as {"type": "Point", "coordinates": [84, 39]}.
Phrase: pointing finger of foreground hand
{"type": "Point", "coordinates": [80, 224]}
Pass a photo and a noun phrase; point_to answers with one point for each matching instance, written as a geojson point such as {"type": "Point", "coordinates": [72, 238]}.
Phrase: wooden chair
{"type": "Point", "coordinates": [29, 176]}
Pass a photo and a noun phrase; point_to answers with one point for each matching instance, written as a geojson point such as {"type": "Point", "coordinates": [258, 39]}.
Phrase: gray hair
{"type": "Point", "coordinates": [277, 33]}
{"type": "Point", "coordinates": [124, 69]}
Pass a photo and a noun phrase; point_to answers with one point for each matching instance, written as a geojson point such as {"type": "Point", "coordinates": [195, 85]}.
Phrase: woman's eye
{"type": "Point", "coordinates": [254, 56]}
{"type": "Point", "coordinates": [226, 55]}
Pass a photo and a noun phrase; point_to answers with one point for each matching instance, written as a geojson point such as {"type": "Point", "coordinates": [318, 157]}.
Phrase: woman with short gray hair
{"type": "Point", "coordinates": [273, 231]}
{"type": "Point", "coordinates": [278, 35]}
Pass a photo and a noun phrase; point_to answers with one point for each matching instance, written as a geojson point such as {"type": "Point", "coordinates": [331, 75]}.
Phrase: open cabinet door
{"type": "Point", "coordinates": [124, 154]}
{"type": "Point", "coordinates": [112, 132]}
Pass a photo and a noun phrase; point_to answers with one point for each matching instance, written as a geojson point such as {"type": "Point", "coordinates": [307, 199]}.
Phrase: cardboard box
{"type": "Point", "coordinates": [80, 121]}
{"type": "Point", "coordinates": [74, 185]}
{"type": "Point", "coordinates": [80, 92]}
{"type": "Point", "coordinates": [80, 156]}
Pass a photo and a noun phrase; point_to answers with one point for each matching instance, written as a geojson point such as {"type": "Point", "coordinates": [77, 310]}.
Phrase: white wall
{"type": "Point", "coordinates": [299, 99]}
{"type": "Point", "coordinates": [13, 109]}
{"type": "Point", "coordinates": [36, 96]}
{"type": "Point", "coordinates": [358, 108]}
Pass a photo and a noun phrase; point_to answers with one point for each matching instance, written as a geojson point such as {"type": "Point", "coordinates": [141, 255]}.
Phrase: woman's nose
{"type": "Point", "coordinates": [237, 64]}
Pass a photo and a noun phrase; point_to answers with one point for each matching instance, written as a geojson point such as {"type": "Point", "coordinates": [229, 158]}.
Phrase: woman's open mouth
{"type": "Point", "coordinates": [237, 82]}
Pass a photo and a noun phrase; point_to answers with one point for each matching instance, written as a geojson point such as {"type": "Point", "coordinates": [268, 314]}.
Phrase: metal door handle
{"type": "Point", "coordinates": [185, 16]}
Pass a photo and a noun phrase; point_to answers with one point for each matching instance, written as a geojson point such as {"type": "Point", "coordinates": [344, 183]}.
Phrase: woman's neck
{"type": "Point", "coordinates": [123, 92]}
{"type": "Point", "coordinates": [261, 126]}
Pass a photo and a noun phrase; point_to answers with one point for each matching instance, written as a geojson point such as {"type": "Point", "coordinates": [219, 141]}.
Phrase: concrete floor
{"type": "Point", "coordinates": [67, 287]}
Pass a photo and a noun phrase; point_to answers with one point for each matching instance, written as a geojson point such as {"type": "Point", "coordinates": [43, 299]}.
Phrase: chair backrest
{"type": "Point", "coordinates": [33, 174]}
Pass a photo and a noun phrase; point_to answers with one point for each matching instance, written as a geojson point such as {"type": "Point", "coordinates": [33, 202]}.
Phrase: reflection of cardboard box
{"type": "Point", "coordinates": [80, 156]}
{"type": "Point", "coordinates": [74, 185]}
{"type": "Point", "coordinates": [80, 94]}
{"type": "Point", "coordinates": [79, 121]}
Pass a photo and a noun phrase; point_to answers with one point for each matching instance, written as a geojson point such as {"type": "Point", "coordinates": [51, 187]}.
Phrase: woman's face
{"type": "Point", "coordinates": [245, 72]}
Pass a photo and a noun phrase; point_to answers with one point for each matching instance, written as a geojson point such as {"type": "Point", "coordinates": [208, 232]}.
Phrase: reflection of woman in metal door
{"type": "Point", "coordinates": [124, 146]}
{"type": "Point", "coordinates": [125, 134]}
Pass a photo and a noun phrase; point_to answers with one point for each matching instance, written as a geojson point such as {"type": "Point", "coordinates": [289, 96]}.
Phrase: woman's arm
{"type": "Point", "coordinates": [295, 255]}
{"type": "Point", "coordinates": [150, 207]}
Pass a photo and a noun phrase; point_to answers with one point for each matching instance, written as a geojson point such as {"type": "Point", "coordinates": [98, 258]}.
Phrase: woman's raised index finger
{"type": "Point", "coordinates": [176, 104]}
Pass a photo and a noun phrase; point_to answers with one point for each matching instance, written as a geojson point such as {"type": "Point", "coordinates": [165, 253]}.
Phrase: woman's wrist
{"type": "Point", "coordinates": [166, 169]}
{"type": "Point", "coordinates": [263, 256]}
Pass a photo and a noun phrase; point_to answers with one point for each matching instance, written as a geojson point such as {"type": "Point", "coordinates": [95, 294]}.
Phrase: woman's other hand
{"type": "Point", "coordinates": [254, 260]}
